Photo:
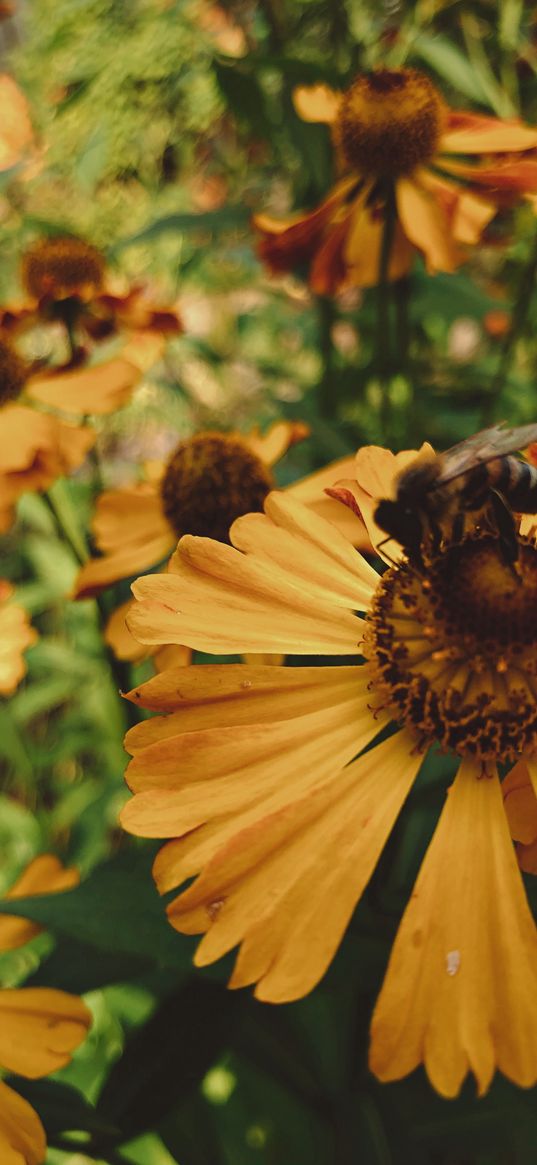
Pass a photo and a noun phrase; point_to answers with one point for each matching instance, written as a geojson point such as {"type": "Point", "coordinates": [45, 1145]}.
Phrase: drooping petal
{"type": "Point", "coordinates": [472, 133]}
{"type": "Point", "coordinates": [287, 243]}
{"type": "Point", "coordinates": [286, 886]}
{"type": "Point", "coordinates": [426, 224]}
{"type": "Point", "coordinates": [22, 1136]}
{"type": "Point", "coordinates": [291, 536]}
{"type": "Point", "coordinates": [44, 875]}
{"type": "Point", "coordinates": [16, 635]}
{"type": "Point", "coordinates": [317, 103]}
{"type": "Point", "coordinates": [119, 638]}
{"type": "Point", "coordinates": [467, 213]}
{"type": "Point", "coordinates": [35, 449]}
{"type": "Point", "coordinates": [363, 244]}
{"type": "Point", "coordinates": [216, 599]}
{"type": "Point", "coordinates": [131, 530]}
{"type": "Point", "coordinates": [101, 388]}
{"type": "Point", "coordinates": [506, 176]}
{"type": "Point", "coordinates": [460, 993]}
{"type": "Point", "coordinates": [39, 1029]}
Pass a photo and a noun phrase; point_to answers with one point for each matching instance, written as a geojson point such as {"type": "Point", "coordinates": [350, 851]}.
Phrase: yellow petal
{"type": "Point", "coordinates": [315, 553]}
{"type": "Point", "coordinates": [99, 389]}
{"type": "Point", "coordinates": [316, 103]}
{"type": "Point", "coordinates": [218, 600]}
{"type": "Point", "coordinates": [16, 635]}
{"type": "Point", "coordinates": [476, 134]}
{"type": "Point", "coordinates": [426, 225]}
{"type": "Point", "coordinates": [376, 471]}
{"type": "Point", "coordinates": [39, 1029]}
{"type": "Point", "coordinates": [224, 770]}
{"type": "Point", "coordinates": [286, 887]}
{"type": "Point", "coordinates": [460, 992]}
{"type": "Point", "coordinates": [363, 244]}
{"type": "Point", "coordinates": [278, 438]}
{"type": "Point", "coordinates": [127, 516]}
{"type": "Point", "coordinates": [45, 875]}
{"type": "Point", "coordinates": [310, 491]}
{"type": "Point", "coordinates": [22, 1136]}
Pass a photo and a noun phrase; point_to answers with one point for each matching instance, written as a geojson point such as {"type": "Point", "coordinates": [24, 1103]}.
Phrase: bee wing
{"type": "Point", "coordinates": [482, 447]}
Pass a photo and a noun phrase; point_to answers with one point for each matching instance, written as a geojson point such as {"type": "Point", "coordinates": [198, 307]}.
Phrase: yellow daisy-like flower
{"type": "Point", "coordinates": [16, 635]}
{"type": "Point", "coordinates": [279, 787]}
{"type": "Point", "coordinates": [40, 1027]}
{"type": "Point", "coordinates": [44, 875]}
{"type": "Point", "coordinates": [210, 479]}
{"type": "Point", "coordinates": [398, 143]}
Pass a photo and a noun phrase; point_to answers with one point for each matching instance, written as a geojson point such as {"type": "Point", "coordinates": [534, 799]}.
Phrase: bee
{"type": "Point", "coordinates": [479, 474]}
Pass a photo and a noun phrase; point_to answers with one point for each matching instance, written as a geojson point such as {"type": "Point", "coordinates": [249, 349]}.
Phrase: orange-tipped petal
{"type": "Point", "coordinates": [44, 875]}
{"type": "Point", "coordinates": [460, 993]}
{"type": "Point", "coordinates": [312, 492]}
{"type": "Point", "coordinates": [273, 444]}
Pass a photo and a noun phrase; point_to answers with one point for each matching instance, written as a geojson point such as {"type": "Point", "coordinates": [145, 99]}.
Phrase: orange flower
{"type": "Point", "coordinates": [65, 279]}
{"type": "Point", "coordinates": [39, 1027]}
{"type": "Point", "coordinates": [211, 479]}
{"type": "Point", "coordinates": [15, 636]}
{"type": "Point", "coordinates": [397, 142]}
{"type": "Point", "coordinates": [35, 449]}
{"type": "Point", "coordinates": [279, 787]}
{"type": "Point", "coordinates": [16, 135]}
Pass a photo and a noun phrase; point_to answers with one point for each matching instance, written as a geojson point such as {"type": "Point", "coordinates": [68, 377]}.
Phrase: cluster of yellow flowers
{"type": "Point", "coordinates": [276, 788]}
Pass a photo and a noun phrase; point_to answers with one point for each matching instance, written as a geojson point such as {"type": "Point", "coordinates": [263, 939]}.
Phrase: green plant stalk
{"type": "Point", "coordinates": [383, 336]}
{"type": "Point", "coordinates": [519, 316]}
{"type": "Point", "coordinates": [327, 400]}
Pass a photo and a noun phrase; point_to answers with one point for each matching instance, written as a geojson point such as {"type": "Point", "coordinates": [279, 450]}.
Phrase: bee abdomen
{"type": "Point", "coordinates": [517, 481]}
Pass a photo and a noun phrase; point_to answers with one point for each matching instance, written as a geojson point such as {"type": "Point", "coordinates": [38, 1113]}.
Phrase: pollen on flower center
{"type": "Point", "coordinates": [389, 122]}
{"type": "Point", "coordinates": [61, 267]}
{"type": "Point", "coordinates": [210, 480]}
{"type": "Point", "coordinates": [13, 373]}
{"type": "Point", "coordinates": [454, 653]}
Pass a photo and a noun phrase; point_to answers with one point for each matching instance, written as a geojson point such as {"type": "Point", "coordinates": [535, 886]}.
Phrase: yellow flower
{"type": "Point", "coordinates": [15, 636]}
{"type": "Point", "coordinates": [209, 480]}
{"type": "Point", "coordinates": [395, 139]}
{"type": "Point", "coordinates": [39, 1029]}
{"type": "Point", "coordinates": [279, 787]}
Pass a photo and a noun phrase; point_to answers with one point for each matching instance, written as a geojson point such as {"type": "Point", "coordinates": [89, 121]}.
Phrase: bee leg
{"type": "Point", "coordinates": [505, 525]}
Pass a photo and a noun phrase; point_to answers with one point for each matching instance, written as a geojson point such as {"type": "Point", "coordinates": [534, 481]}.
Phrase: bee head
{"type": "Point", "coordinates": [401, 522]}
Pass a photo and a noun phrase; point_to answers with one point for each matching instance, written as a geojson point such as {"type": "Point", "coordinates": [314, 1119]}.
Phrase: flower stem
{"type": "Point", "coordinates": [327, 386]}
{"type": "Point", "coordinates": [383, 347]}
{"type": "Point", "coordinates": [518, 319]}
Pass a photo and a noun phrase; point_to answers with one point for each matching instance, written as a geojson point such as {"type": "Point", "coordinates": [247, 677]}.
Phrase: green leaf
{"type": "Point", "coordinates": [117, 909]}
{"type": "Point", "coordinates": [61, 1107]}
{"type": "Point", "coordinates": [244, 97]}
{"type": "Point", "coordinates": [212, 222]}
{"type": "Point", "coordinates": [451, 64]}
{"type": "Point", "coordinates": [168, 1057]}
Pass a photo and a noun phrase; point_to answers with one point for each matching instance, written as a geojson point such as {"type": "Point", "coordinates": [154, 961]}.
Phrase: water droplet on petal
{"type": "Point", "coordinates": [453, 962]}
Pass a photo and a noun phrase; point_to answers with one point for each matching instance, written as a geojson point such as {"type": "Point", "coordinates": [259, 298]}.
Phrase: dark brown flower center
{"type": "Point", "coordinates": [62, 267]}
{"type": "Point", "coordinates": [13, 373]}
{"type": "Point", "coordinates": [389, 122]}
{"type": "Point", "coordinates": [210, 480]}
{"type": "Point", "coordinates": [454, 654]}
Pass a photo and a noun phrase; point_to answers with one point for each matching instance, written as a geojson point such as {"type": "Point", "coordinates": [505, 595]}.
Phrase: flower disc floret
{"type": "Point", "coordinates": [453, 654]}
{"type": "Point", "coordinates": [62, 267]}
{"type": "Point", "coordinates": [389, 122]}
{"type": "Point", "coordinates": [12, 373]}
{"type": "Point", "coordinates": [210, 480]}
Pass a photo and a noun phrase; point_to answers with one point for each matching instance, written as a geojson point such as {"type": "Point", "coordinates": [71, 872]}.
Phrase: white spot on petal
{"type": "Point", "coordinates": [453, 962]}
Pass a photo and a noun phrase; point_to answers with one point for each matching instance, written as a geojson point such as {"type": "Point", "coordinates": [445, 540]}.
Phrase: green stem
{"type": "Point", "coordinates": [383, 352]}
{"type": "Point", "coordinates": [518, 320]}
{"type": "Point", "coordinates": [327, 387]}
{"type": "Point", "coordinates": [59, 505]}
